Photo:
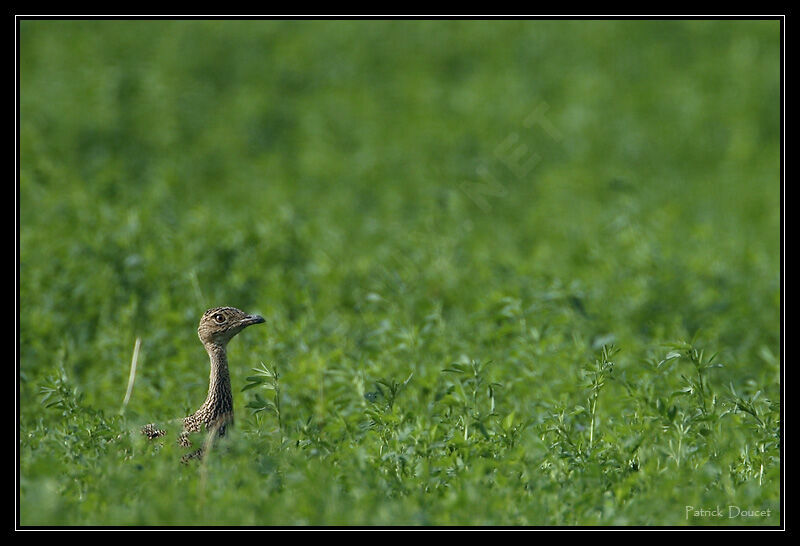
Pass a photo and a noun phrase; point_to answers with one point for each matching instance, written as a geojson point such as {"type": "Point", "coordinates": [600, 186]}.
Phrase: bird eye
{"type": "Point", "coordinates": [219, 318]}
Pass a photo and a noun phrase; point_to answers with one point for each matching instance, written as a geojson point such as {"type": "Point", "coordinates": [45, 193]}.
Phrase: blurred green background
{"type": "Point", "coordinates": [393, 197]}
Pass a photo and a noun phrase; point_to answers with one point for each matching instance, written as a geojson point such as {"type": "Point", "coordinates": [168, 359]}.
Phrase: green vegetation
{"type": "Point", "coordinates": [514, 273]}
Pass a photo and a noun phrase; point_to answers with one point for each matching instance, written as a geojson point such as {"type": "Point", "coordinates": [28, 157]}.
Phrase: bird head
{"type": "Point", "coordinates": [220, 324]}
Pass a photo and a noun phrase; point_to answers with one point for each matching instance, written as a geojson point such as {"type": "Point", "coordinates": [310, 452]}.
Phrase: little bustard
{"type": "Point", "coordinates": [217, 327]}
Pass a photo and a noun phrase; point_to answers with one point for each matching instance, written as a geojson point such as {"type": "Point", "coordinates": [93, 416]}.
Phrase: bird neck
{"type": "Point", "coordinates": [220, 398]}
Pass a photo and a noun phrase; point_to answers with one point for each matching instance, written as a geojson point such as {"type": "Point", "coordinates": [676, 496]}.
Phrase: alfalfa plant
{"type": "Point", "coordinates": [467, 385]}
{"type": "Point", "coordinates": [696, 384]}
{"type": "Point", "coordinates": [380, 414]}
{"type": "Point", "coordinates": [597, 374]}
{"type": "Point", "coordinates": [697, 420]}
{"type": "Point", "coordinates": [563, 430]}
{"type": "Point", "coordinates": [268, 379]}
{"type": "Point", "coordinates": [763, 451]}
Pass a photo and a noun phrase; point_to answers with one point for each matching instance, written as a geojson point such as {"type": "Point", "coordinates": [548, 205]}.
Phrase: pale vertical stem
{"type": "Point", "coordinates": [198, 292]}
{"type": "Point", "coordinates": [132, 376]}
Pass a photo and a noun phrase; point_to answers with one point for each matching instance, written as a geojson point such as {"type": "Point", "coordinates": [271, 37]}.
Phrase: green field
{"type": "Point", "coordinates": [514, 273]}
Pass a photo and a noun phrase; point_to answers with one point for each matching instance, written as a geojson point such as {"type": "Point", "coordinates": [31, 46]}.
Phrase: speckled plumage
{"type": "Point", "coordinates": [217, 327]}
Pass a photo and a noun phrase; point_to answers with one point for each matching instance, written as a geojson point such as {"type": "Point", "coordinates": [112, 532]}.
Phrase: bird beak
{"type": "Point", "coordinates": [252, 319]}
